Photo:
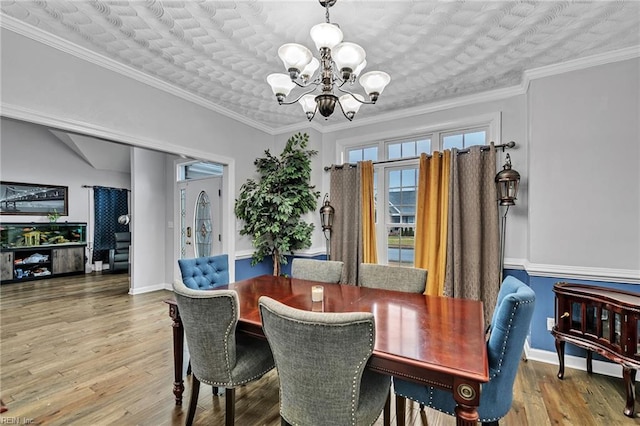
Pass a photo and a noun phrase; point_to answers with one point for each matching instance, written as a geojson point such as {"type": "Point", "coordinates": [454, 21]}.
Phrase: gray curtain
{"type": "Point", "coordinates": [473, 240]}
{"type": "Point", "coordinates": [346, 233]}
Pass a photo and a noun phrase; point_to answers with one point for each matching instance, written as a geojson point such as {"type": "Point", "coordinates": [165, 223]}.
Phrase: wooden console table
{"type": "Point", "coordinates": [601, 320]}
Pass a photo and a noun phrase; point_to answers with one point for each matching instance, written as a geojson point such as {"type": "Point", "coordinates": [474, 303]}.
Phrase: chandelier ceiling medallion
{"type": "Point", "coordinates": [340, 63]}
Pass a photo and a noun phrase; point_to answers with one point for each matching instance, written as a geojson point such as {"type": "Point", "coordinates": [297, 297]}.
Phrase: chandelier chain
{"type": "Point", "coordinates": [326, 6]}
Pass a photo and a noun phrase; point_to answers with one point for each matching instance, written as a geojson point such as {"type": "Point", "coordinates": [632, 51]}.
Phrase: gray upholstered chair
{"type": "Point", "coordinates": [509, 327]}
{"type": "Point", "coordinates": [219, 356]}
{"type": "Point", "coordinates": [321, 361]}
{"type": "Point", "coordinates": [119, 255]}
{"type": "Point", "coordinates": [326, 271]}
{"type": "Point", "coordinates": [399, 278]}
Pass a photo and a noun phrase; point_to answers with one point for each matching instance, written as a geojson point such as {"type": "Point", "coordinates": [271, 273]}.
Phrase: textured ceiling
{"type": "Point", "coordinates": [222, 51]}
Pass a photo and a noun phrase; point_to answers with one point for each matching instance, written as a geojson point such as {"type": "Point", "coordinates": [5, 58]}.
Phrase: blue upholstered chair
{"type": "Point", "coordinates": [204, 273]}
{"type": "Point", "coordinates": [219, 356]}
{"type": "Point", "coordinates": [326, 271]}
{"type": "Point", "coordinates": [321, 359]}
{"type": "Point", "coordinates": [509, 328]}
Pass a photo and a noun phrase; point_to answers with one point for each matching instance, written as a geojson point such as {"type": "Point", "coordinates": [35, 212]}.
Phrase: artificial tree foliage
{"type": "Point", "coordinates": [273, 205]}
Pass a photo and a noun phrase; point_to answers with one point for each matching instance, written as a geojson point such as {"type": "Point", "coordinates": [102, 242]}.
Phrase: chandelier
{"type": "Point", "coordinates": [340, 64]}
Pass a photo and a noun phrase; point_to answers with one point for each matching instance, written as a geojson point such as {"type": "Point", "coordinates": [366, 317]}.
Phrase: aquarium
{"type": "Point", "coordinates": [17, 235]}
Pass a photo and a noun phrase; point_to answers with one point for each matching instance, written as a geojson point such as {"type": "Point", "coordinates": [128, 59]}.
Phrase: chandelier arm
{"type": "Point", "coordinates": [354, 96]}
{"type": "Point", "coordinates": [299, 97]}
{"type": "Point", "coordinates": [315, 83]}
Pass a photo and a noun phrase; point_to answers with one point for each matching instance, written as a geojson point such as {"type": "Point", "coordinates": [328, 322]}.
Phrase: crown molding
{"type": "Point", "coordinates": [579, 64]}
{"type": "Point", "coordinates": [488, 96]}
{"type": "Point", "coordinates": [80, 52]}
{"type": "Point", "coordinates": [75, 126]}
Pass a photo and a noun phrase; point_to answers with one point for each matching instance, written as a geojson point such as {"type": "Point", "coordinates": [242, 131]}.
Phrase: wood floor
{"type": "Point", "coordinates": [81, 351]}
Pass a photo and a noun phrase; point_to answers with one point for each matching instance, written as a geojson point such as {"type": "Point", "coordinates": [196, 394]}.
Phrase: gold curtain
{"type": "Point", "coordinates": [431, 220]}
{"type": "Point", "coordinates": [370, 252]}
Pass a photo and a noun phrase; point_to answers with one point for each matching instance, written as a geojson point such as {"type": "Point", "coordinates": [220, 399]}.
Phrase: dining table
{"type": "Point", "coordinates": [432, 340]}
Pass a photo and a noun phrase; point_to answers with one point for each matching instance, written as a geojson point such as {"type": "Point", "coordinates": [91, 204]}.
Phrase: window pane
{"type": "Point", "coordinates": [394, 179]}
{"type": "Point", "coordinates": [355, 155]}
{"type": "Point", "coordinates": [400, 250]}
{"type": "Point", "coordinates": [453, 141]}
{"type": "Point", "coordinates": [475, 138]}
{"type": "Point", "coordinates": [409, 177]}
{"type": "Point", "coordinates": [402, 214]}
{"type": "Point", "coordinates": [394, 150]}
{"type": "Point", "coordinates": [408, 149]}
{"type": "Point", "coordinates": [370, 153]}
{"type": "Point", "coordinates": [424, 146]}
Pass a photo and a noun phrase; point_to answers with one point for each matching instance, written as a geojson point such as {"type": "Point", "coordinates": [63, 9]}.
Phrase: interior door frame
{"type": "Point", "coordinates": [227, 219]}
{"type": "Point", "coordinates": [44, 118]}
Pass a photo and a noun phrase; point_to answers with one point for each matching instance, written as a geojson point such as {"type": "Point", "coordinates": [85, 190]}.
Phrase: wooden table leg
{"type": "Point", "coordinates": [401, 405]}
{"type": "Point", "coordinates": [560, 350]}
{"type": "Point", "coordinates": [589, 362]}
{"type": "Point", "coordinates": [629, 376]}
{"type": "Point", "coordinates": [467, 396]}
{"type": "Point", "coordinates": [178, 346]}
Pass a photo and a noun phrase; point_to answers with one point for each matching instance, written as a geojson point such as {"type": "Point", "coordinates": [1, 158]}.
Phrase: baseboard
{"type": "Point", "coordinates": [149, 289]}
{"type": "Point", "coordinates": [578, 363]}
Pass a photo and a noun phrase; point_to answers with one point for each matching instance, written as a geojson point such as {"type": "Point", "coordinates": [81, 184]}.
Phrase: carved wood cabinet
{"type": "Point", "coordinates": [601, 320]}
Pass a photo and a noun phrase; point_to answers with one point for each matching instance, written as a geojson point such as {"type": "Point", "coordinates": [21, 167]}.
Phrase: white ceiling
{"type": "Point", "coordinates": [220, 52]}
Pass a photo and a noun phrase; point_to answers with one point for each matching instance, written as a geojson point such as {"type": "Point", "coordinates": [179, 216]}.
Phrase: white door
{"type": "Point", "coordinates": [200, 217]}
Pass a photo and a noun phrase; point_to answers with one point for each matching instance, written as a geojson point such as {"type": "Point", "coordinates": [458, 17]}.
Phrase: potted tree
{"type": "Point", "coordinates": [272, 205]}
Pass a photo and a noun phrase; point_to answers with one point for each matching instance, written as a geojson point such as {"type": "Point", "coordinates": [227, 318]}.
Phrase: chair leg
{"type": "Point", "coordinates": [214, 389]}
{"type": "Point", "coordinates": [230, 406]}
{"type": "Point", "coordinates": [387, 411]}
{"type": "Point", "coordinates": [401, 405]}
{"type": "Point", "coordinates": [494, 423]}
{"type": "Point", "coordinates": [193, 399]}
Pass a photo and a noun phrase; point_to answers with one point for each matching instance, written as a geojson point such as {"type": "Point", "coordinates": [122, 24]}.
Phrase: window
{"type": "Point", "coordinates": [362, 154]}
{"type": "Point", "coordinates": [199, 170]}
{"type": "Point", "coordinates": [462, 140]}
{"type": "Point", "coordinates": [398, 180]}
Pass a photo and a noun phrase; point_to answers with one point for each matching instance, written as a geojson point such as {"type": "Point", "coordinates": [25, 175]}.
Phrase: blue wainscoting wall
{"type": "Point", "coordinates": [244, 269]}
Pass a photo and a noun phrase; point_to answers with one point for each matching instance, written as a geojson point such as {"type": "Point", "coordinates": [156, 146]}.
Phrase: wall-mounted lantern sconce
{"type": "Point", "coordinates": [507, 181]}
{"type": "Point", "coordinates": [326, 219]}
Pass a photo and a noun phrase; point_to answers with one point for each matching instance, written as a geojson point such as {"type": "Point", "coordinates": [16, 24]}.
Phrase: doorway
{"type": "Point", "coordinates": [200, 200]}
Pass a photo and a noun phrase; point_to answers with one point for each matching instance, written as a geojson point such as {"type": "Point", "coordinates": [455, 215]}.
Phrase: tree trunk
{"type": "Point", "coordinates": [276, 263]}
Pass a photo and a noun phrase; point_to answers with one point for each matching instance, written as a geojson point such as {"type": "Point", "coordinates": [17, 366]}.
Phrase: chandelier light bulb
{"type": "Point", "coordinates": [295, 57]}
{"type": "Point", "coordinates": [349, 105]}
{"type": "Point", "coordinates": [326, 35]}
{"type": "Point", "coordinates": [374, 83]}
{"type": "Point", "coordinates": [310, 69]}
{"type": "Point", "coordinates": [347, 57]}
{"type": "Point", "coordinates": [359, 69]}
{"type": "Point", "coordinates": [308, 103]}
{"type": "Point", "coordinates": [281, 84]}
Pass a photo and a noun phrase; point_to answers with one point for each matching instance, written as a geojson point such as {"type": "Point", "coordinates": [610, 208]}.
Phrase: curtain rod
{"type": "Point", "coordinates": [106, 187]}
{"type": "Point", "coordinates": [461, 151]}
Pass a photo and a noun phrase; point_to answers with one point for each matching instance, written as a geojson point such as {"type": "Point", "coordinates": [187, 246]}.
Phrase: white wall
{"type": "Point", "coordinates": [32, 154]}
{"type": "Point", "coordinates": [149, 221]}
{"type": "Point", "coordinates": [585, 168]}
{"type": "Point", "coordinates": [50, 86]}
